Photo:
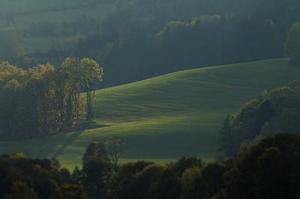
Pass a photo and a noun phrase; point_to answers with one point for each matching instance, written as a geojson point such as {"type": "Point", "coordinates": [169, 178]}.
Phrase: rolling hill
{"type": "Point", "coordinates": [165, 117]}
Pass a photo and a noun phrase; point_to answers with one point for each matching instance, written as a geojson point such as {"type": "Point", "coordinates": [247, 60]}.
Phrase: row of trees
{"type": "Point", "coordinates": [268, 169]}
{"type": "Point", "coordinates": [46, 99]}
{"type": "Point", "coordinates": [139, 39]}
{"type": "Point", "coordinates": [201, 41]}
{"type": "Point", "coordinates": [25, 178]}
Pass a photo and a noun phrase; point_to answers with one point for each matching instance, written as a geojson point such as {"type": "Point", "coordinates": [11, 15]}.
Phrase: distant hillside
{"type": "Point", "coordinates": [168, 116]}
{"type": "Point", "coordinates": [47, 17]}
{"type": "Point", "coordinates": [138, 39]}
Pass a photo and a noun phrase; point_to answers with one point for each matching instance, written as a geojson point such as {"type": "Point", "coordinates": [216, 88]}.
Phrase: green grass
{"type": "Point", "coordinates": [166, 117]}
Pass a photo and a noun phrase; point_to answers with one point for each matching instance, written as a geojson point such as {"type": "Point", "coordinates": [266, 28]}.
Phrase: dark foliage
{"type": "Point", "coordinates": [46, 99]}
{"type": "Point", "coordinates": [275, 111]}
{"type": "Point", "coordinates": [139, 39]}
{"type": "Point", "coordinates": [267, 170]}
{"type": "Point", "coordinates": [26, 178]}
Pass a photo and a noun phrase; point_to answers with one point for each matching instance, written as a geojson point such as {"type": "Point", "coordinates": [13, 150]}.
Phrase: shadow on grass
{"type": "Point", "coordinates": [47, 146]}
{"type": "Point", "coordinates": [69, 138]}
{"type": "Point", "coordinates": [91, 125]}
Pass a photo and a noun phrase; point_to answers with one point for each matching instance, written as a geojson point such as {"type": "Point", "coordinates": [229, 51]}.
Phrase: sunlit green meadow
{"type": "Point", "coordinates": [166, 117]}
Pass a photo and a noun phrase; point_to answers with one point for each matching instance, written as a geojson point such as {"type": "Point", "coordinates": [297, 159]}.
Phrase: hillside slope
{"type": "Point", "coordinates": [168, 116]}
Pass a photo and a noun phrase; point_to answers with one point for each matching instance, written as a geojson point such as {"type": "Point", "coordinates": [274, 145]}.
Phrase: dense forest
{"type": "Point", "coordinates": [138, 39]}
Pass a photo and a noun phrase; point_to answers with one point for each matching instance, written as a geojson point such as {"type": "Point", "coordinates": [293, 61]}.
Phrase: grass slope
{"type": "Point", "coordinates": [168, 116]}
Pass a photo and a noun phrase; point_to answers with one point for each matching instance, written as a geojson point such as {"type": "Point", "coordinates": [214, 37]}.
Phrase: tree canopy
{"type": "Point", "coordinates": [46, 99]}
{"type": "Point", "coordinates": [275, 111]}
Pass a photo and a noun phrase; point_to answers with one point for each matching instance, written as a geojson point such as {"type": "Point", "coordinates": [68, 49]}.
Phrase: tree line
{"type": "Point", "coordinates": [46, 99]}
{"type": "Point", "coordinates": [274, 111]}
{"type": "Point", "coordinates": [267, 169]}
{"type": "Point", "coordinates": [141, 39]}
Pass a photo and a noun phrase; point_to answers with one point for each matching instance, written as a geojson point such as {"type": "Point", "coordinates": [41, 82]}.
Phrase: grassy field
{"type": "Point", "coordinates": [166, 117]}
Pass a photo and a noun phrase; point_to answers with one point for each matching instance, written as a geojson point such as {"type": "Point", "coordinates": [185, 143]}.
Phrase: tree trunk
{"type": "Point", "coordinates": [90, 108]}
{"type": "Point", "coordinates": [69, 113]}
